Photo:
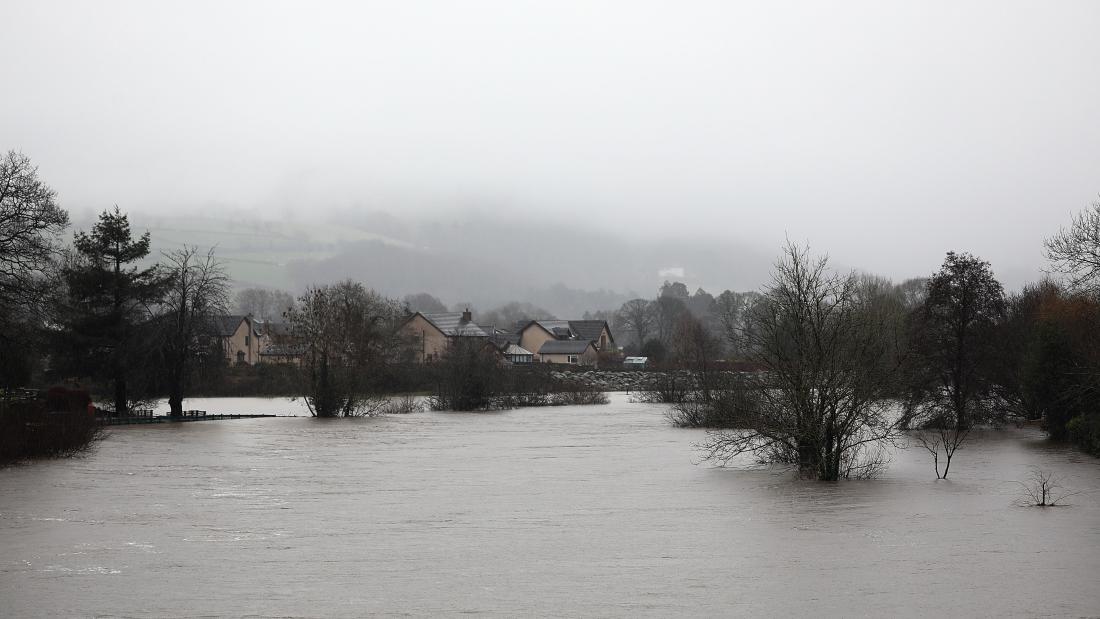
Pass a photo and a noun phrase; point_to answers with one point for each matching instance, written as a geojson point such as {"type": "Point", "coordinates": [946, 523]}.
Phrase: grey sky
{"type": "Point", "coordinates": [884, 133]}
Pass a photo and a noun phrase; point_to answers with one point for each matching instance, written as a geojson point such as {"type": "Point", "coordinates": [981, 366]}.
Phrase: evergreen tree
{"type": "Point", "coordinates": [109, 296]}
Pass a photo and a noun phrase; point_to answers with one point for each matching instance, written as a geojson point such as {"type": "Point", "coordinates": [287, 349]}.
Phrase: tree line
{"type": "Point", "coordinates": [845, 363]}
{"type": "Point", "coordinates": [133, 329]}
{"type": "Point", "coordinates": [839, 355]}
{"type": "Point", "coordinates": [93, 308]}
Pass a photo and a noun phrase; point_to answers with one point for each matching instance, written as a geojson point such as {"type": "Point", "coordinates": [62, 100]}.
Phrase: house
{"type": "Point", "coordinates": [278, 344]}
{"type": "Point", "coordinates": [240, 338]}
{"type": "Point", "coordinates": [572, 352]}
{"type": "Point", "coordinates": [513, 353]}
{"type": "Point", "coordinates": [538, 333]}
{"type": "Point", "coordinates": [431, 333]}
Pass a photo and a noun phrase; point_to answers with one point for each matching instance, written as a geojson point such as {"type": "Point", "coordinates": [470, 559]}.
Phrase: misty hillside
{"type": "Point", "coordinates": [564, 266]}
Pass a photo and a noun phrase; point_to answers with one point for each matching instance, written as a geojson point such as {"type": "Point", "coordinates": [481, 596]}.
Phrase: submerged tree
{"type": "Point", "coordinates": [349, 334]}
{"type": "Point", "coordinates": [109, 302]}
{"type": "Point", "coordinates": [821, 403]}
{"type": "Point", "coordinates": [950, 371]}
{"type": "Point", "coordinates": [196, 290]}
{"type": "Point", "coordinates": [469, 377]}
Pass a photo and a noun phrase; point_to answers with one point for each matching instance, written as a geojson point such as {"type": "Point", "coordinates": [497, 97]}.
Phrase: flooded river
{"type": "Point", "coordinates": [574, 511]}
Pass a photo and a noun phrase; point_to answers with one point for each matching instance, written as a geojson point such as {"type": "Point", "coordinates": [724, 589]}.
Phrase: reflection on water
{"type": "Point", "coordinates": [563, 511]}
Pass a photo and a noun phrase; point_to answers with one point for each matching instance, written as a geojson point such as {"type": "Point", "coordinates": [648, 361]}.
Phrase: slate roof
{"type": "Point", "coordinates": [555, 327]}
{"type": "Point", "coordinates": [503, 340]}
{"type": "Point", "coordinates": [276, 329]}
{"type": "Point", "coordinates": [226, 326]}
{"type": "Point", "coordinates": [588, 329]}
{"type": "Point", "coordinates": [451, 325]}
{"type": "Point", "coordinates": [579, 329]}
{"type": "Point", "coordinates": [564, 347]}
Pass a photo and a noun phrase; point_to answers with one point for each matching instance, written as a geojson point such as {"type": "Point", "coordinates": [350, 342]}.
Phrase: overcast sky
{"type": "Point", "coordinates": [884, 133]}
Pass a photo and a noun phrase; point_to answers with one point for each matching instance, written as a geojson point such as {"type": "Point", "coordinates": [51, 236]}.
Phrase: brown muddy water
{"type": "Point", "coordinates": [574, 511]}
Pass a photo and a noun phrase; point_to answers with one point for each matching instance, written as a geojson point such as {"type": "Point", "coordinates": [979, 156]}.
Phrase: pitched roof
{"type": "Point", "coordinates": [574, 329]}
{"type": "Point", "coordinates": [452, 325]}
{"type": "Point", "coordinates": [514, 349]}
{"type": "Point", "coordinates": [226, 326]}
{"type": "Point", "coordinates": [564, 347]}
{"type": "Point", "coordinates": [504, 340]}
{"type": "Point", "coordinates": [277, 329]}
{"type": "Point", "coordinates": [589, 329]}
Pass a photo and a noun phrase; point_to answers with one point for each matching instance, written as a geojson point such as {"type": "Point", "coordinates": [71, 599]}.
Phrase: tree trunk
{"type": "Point", "coordinates": [809, 460]}
{"type": "Point", "coordinates": [177, 371]}
{"type": "Point", "coordinates": [175, 398]}
{"type": "Point", "coordinates": [121, 405]}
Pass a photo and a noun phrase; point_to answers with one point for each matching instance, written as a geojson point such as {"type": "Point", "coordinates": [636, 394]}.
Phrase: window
{"type": "Point", "coordinates": [572, 358]}
{"type": "Point", "coordinates": [246, 340]}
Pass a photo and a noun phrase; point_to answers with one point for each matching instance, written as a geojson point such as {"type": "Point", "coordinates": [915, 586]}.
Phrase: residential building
{"type": "Point", "coordinates": [572, 352]}
{"type": "Point", "coordinates": [278, 344]}
{"type": "Point", "coordinates": [431, 333]}
{"type": "Point", "coordinates": [240, 339]}
{"type": "Point", "coordinates": [513, 353]}
{"type": "Point", "coordinates": [536, 334]}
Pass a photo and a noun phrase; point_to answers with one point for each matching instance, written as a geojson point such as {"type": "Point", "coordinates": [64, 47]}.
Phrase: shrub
{"type": "Point", "coordinates": [1084, 430]}
{"type": "Point", "coordinates": [30, 429]}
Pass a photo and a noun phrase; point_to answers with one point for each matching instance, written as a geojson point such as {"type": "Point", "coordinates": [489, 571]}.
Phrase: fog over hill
{"type": "Point", "coordinates": [470, 257]}
{"type": "Point", "coordinates": [484, 261]}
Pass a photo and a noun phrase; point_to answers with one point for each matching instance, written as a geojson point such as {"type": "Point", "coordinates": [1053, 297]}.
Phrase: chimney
{"type": "Point", "coordinates": [467, 316]}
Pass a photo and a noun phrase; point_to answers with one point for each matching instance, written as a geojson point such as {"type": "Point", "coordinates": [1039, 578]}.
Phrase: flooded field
{"type": "Point", "coordinates": [574, 511]}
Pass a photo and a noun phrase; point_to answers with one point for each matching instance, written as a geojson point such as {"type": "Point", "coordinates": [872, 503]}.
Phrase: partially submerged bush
{"type": "Point", "coordinates": [574, 395]}
{"type": "Point", "coordinates": [693, 411]}
{"type": "Point", "coordinates": [1044, 489]}
{"type": "Point", "coordinates": [667, 388]}
{"type": "Point", "coordinates": [402, 405]}
{"type": "Point", "coordinates": [471, 377]}
{"type": "Point", "coordinates": [30, 429]}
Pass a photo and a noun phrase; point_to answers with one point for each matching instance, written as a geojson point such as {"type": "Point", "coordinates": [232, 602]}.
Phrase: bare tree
{"type": "Point", "coordinates": [667, 310]}
{"type": "Point", "coordinates": [636, 315]}
{"type": "Point", "coordinates": [264, 304]}
{"type": "Point", "coordinates": [512, 313]}
{"type": "Point", "coordinates": [913, 292]}
{"type": "Point", "coordinates": [730, 309]}
{"type": "Point", "coordinates": [30, 227]}
{"type": "Point", "coordinates": [942, 436]}
{"type": "Point", "coordinates": [823, 402]}
{"type": "Point", "coordinates": [696, 350]}
{"type": "Point", "coordinates": [1075, 251]}
{"type": "Point", "coordinates": [350, 333]}
{"type": "Point", "coordinates": [1044, 489]}
{"type": "Point", "coordinates": [197, 289]}
{"type": "Point", "coordinates": [423, 302]}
